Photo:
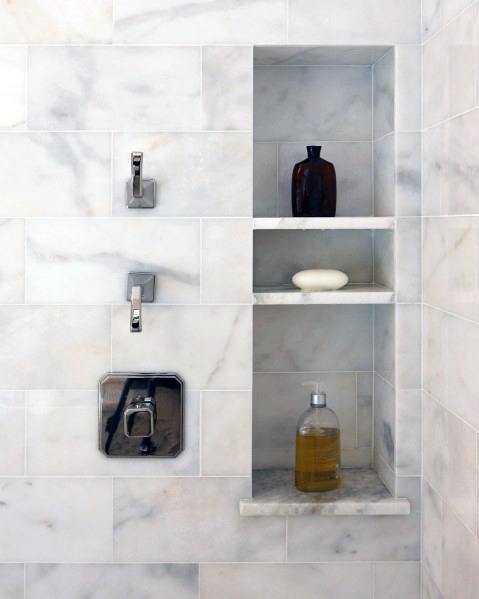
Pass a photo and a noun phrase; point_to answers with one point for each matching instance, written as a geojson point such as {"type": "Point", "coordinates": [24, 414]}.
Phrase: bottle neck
{"type": "Point", "coordinates": [314, 152]}
{"type": "Point", "coordinates": [318, 400]}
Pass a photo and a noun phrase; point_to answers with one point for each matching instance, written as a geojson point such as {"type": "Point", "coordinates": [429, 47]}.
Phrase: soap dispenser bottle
{"type": "Point", "coordinates": [318, 451]}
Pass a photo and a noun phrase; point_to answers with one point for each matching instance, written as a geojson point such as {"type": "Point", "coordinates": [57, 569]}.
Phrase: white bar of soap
{"type": "Point", "coordinates": [320, 279]}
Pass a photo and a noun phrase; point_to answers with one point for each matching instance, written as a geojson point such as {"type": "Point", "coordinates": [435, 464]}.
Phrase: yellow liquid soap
{"type": "Point", "coordinates": [318, 460]}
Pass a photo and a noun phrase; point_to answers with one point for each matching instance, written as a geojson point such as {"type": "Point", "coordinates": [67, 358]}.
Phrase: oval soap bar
{"type": "Point", "coordinates": [320, 279]}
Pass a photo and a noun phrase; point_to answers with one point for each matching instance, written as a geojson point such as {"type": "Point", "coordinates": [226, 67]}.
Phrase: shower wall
{"type": "Point", "coordinates": [84, 83]}
{"type": "Point", "coordinates": [450, 295]}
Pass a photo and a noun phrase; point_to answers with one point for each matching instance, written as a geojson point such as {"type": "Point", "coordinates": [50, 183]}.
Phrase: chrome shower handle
{"type": "Point", "coordinates": [137, 174]}
{"type": "Point", "coordinates": [135, 309]}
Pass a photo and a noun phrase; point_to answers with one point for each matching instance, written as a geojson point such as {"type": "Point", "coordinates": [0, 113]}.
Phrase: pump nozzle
{"type": "Point", "coordinates": [318, 398]}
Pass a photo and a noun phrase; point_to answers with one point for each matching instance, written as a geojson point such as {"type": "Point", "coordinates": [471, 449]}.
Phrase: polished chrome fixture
{"type": "Point", "coordinates": [140, 193]}
{"type": "Point", "coordinates": [141, 415]}
{"type": "Point", "coordinates": [140, 288]}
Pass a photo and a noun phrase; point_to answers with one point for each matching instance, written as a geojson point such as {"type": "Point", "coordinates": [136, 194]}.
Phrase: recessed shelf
{"type": "Point", "coordinates": [361, 494]}
{"type": "Point", "coordinates": [351, 294]}
{"type": "Point", "coordinates": [325, 224]}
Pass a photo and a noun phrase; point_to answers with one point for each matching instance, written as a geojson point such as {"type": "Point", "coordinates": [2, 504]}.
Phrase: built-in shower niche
{"type": "Point", "coordinates": [341, 98]}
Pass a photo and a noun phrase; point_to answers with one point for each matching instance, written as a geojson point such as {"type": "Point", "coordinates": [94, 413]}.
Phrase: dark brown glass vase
{"type": "Point", "coordinates": [313, 190]}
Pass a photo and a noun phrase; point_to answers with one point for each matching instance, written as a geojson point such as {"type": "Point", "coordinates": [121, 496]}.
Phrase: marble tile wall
{"type": "Point", "coordinates": [83, 85]}
{"type": "Point", "coordinates": [451, 319]}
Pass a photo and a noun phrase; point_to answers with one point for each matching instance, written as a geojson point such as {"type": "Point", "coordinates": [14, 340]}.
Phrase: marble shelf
{"type": "Point", "coordinates": [351, 294]}
{"type": "Point", "coordinates": [361, 494]}
{"type": "Point", "coordinates": [325, 224]}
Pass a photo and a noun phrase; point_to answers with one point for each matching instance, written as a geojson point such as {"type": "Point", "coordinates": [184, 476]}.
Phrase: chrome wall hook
{"type": "Point", "coordinates": [140, 193]}
{"type": "Point", "coordinates": [140, 288]}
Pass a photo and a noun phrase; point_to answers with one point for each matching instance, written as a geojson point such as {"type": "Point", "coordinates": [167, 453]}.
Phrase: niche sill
{"type": "Point", "coordinates": [361, 494]}
{"type": "Point", "coordinates": [325, 223]}
{"type": "Point", "coordinates": [351, 294]}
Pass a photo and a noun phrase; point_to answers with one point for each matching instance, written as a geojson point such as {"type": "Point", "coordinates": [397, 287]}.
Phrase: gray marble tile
{"type": "Point", "coordinates": [408, 259]}
{"type": "Point", "coordinates": [353, 539]}
{"type": "Point", "coordinates": [278, 255]}
{"type": "Point", "coordinates": [433, 534]}
{"type": "Point", "coordinates": [384, 271]}
{"type": "Point", "coordinates": [318, 55]}
{"type": "Point", "coordinates": [408, 175]}
{"type": "Point", "coordinates": [208, 506]}
{"type": "Point", "coordinates": [408, 346]}
{"type": "Point", "coordinates": [13, 75]}
{"type": "Point", "coordinates": [410, 488]}
{"type": "Point", "coordinates": [283, 110]}
{"type": "Point", "coordinates": [80, 88]}
{"type": "Point", "coordinates": [408, 432]}
{"type": "Point", "coordinates": [227, 88]}
{"type": "Point", "coordinates": [60, 252]}
{"type": "Point", "coordinates": [226, 433]}
{"type": "Point", "coordinates": [216, 354]}
{"type": "Point", "coordinates": [226, 261]}
{"type": "Point", "coordinates": [53, 519]}
{"type": "Point", "coordinates": [384, 422]}
{"type": "Point", "coordinates": [408, 88]}
{"type": "Point", "coordinates": [187, 168]}
{"type": "Point", "coordinates": [207, 21]}
{"type": "Point", "coordinates": [350, 21]}
{"type": "Point", "coordinates": [285, 343]}
{"type": "Point", "coordinates": [50, 343]}
{"type": "Point", "coordinates": [384, 176]}
{"type": "Point", "coordinates": [104, 581]}
{"type": "Point", "coordinates": [69, 419]}
{"type": "Point", "coordinates": [364, 417]}
{"type": "Point", "coordinates": [435, 166]}
{"type": "Point", "coordinates": [280, 399]}
{"type": "Point", "coordinates": [12, 423]}
{"type": "Point", "coordinates": [353, 165]}
{"type": "Point", "coordinates": [384, 342]}
{"type": "Point", "coordinates": [384, 95]}
{"type": "Point", "coordinates": [265, 179]}
{"type": "Point", "coordinates": [56, 22]}
{"type": "Point", "coordinates": [397, 580]}
{"type": "Point", "coordinates": [68, 174]}
{"type": "Point", "coordinates": [12, 261]}
{"type": "Point", "coordinates": [434, 443]}
{"type": "Point", "coordinates": [11, 581]}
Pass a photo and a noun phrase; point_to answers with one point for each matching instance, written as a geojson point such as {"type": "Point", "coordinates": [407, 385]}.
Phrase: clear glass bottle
{"type": "Point", "coordinates": [318, 448]}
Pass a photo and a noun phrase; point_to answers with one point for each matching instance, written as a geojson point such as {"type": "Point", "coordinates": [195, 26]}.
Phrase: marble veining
{"type": "Point", "coordinates": [318, 55]}
{"type": "Point", "coordinates": [361, 493]}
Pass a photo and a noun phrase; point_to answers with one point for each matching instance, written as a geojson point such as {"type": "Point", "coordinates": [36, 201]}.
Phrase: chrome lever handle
{"type": "Point", "coordinates": [139, 418]}
{"type": "Point", "coordinates": [135, 309]}
{"type": "Point", "coordinates": [137, 174]}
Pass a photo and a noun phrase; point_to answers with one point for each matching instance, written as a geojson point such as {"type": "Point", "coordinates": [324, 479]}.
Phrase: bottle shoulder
{"type": "Point", "coordinates": [318, 418]}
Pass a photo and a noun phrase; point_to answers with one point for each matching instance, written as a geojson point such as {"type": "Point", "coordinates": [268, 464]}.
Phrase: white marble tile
{"type": "Point", "coordinates": [408, 259]}
{"type": "Point", "coordinates": [428, 587]}
{"type": "Point", "coordinates": [265, 179]}
{"type": "Point", "coordinates": [54, 519]}
{"type": "Point", "coordinates": [62, 253]}
{"type": "Point", "coordinates": [12, 262]}
{"type": "Point", "coordinates": [11, 581]}
{"type": "Point", "coordinates": [197, 174]}
{"type": "Point", "coordinates": [461, 556]}
{"type": "Point", "coordinates": [353, 164]}
{"type": "Point", "coordinates": [432, 19]}
{"type": "Point", "coordinates": [408, 88]}
{"type": "Point", "coordinates": [68, 174]}
{"type": "Point", "coordinates": [282, 581]}
{"type": "Point", "coordinates": [226, 433]}
{"type": "Point", "coordinates": [208, 346]}
{"type": "Point", "coordinates": [410, 488]}
{"type": "Point", "coordinates": [408, 346]}
{"type": "Point", "coordinates": [384, 422]}
{"type": "Point", "coordinates": [69, 419]}
{"type": "Point", "coordinates": [408, 174]}
{"type": "Point", "coordinates": [435, 168]}
{"type": "Point", "coordinates": [227, 88]}
{"type": "Point", "coordinates": [462, 260]}
{"type": "Point", "coordinates": [434, 259]}
{"type": "Point", "coordinates": [384, 176]}
{"type": "Point", "coordinates": [434, 443]}
{"type": "Point", "coordinates": [278, 255]}
{"type": "Point", "coordinates": [364, 417]}
{"type": "Point", "coordinates": [280, 399]}
{"type": "Point", "coordinates": [353, 539]}
{"type": "Point", "coordinates": [384, 271]}
{"type": "Point", "coordinates": [12, 423]}
{"type": "Point", "coordinates": [434, 353]}
{"type": "Point", "coordinates": [204, 21]}
{"type": "Point", "coordinates": [56, 22]}
{"type": "Point", "coordinates": [461, 470]}
{"type": "Point", "coordinates": [397, 580]}
{"type": "Point", "coordinates": [433, 533]}
{"type": "Point", "coordinates": [54, 347]}
{"type": "Point", "coordinates": [408, 432]}
{"type": "Point", "coordinates": [285, 341]}
{"type": "Point", "coordinates": [93, 88]}
{"type": "Point", "coordinates": [13, 76]}
{"type": "Point", "coordinates": [453, 7]}
{"type": "Point", "coordinates": [227, 261]}
{"type": "Point", "coordinates": [208, 506]}
{"type": "Point", "coordinates": [354, 22]}
{"type": "Point", "coordinates": [384, 342]}
{"type": "Point", "coordinates": [283, 109]}
{"type": "Point", "coordinates": [104, 581]}
{"type": "Point", "coordinates": [384, 95]}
